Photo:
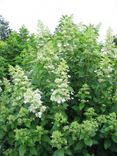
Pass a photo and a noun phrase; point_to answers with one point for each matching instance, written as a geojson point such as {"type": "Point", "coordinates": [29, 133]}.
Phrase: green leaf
{"type": "Point", "coordinates": [1, 134]}
{"type": "Point", "coordinates": [107, 144]}
{"type": "Point", "coordinates": [79, 146]}
{"type": "Point", "coordinates": [59, 152]}
{"type": "Point", "coordinates": [88, 142]}
{"type": "Point", "coordinates": [81, 106]}
{"type": "Point", "coordinates": [114, 108]}
{"type": "Point", "coordinates": [22, 150]}
{"type": "Point", "coordinates": [114, 138]}
{"type": "Point", "coordinates": [75, 107]}
{"type": "Point", "coordinates": [46, 139]}
{"type": "Point", "coordinates": [33, 151]}
{"type": "Point", "coordinates": [70, 140]}
{"type": "Point", "coordinates": [68, 152]}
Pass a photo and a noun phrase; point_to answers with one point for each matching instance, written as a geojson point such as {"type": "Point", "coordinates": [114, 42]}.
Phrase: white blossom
{"type": "Point", "coordinates": [38, 114]}
{"type": "Point", "coordinates": [25, 91]}
{"type": "Point", "coordinates": [61, 93]}
{"type": "Point", "coordinates": [34, 98]}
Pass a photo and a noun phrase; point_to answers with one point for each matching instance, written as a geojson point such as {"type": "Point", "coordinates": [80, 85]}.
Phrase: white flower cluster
{"type": "Point", "coordinates": [108, 52]}
{"type": "Point", "coordinates": [105, 70]}
{"type": "Point", "coordinates": [19, 77]}
{"type": "Point", "coordinates": [61, 93]}
{"type": "Point", "coordinates": [58, 68]}
{"type": "Point", "coordinates": [24, 90]}
{"type": "Point", "coordinates": [48, 56]}
{"type": "Point", "coordinates": [34, 99]}
{"type": "Point", "coordinates": [109, 45]}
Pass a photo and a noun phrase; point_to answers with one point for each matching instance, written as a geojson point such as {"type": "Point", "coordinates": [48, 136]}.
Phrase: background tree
{"type": "Point", "coordinates": [15, 48]}
{"type": "Point", "coordinates": [4, 28]}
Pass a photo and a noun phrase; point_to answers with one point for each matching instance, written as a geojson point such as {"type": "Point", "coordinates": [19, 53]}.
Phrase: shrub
{"type": "Point", "coordinates": [65, 103]}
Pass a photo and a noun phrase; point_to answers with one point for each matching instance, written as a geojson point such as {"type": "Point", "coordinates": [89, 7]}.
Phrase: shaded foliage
{"type": "Point", "coordinates": [4, 28]}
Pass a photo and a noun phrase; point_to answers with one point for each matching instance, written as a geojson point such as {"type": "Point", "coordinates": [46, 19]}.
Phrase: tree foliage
{"type": "Point", "coordinates": [4, 28]}
{"type": "Point", "coordinates": [60, 97]}
{"type": "Point", "coordinates": [15, 47]}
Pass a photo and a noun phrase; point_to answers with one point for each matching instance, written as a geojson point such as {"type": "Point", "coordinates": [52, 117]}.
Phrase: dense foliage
{"type": "Point", "coordinates": [13, 49]}
{"type": "Point", "coordinates": [58, 92]}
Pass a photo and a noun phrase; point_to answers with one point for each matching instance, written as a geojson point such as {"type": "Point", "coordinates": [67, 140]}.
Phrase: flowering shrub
{"type": "Point", "coordinates": [61, 93]}
{"type": "Point", "coordinates": [61, 99]}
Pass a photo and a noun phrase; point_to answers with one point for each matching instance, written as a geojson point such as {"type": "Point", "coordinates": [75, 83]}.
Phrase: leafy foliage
{"type": "Point", "coordinates": [15, 48]}
{"type": "Point", "coordinates": [60, 96]}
